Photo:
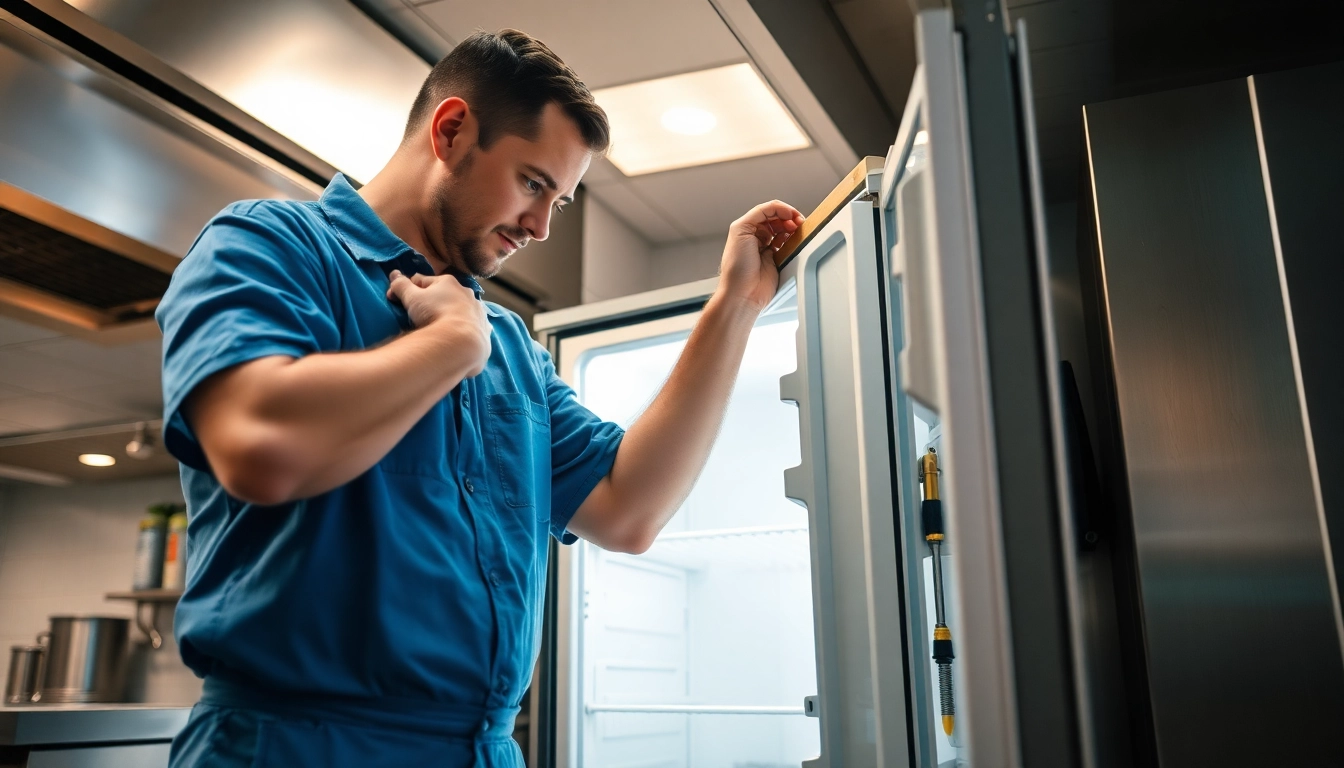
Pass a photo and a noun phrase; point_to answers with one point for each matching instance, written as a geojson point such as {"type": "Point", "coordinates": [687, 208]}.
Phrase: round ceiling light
{"type": "Point", "coordinates": [96, 459]}
{"type": "Point", "coordinates": [689, 121]}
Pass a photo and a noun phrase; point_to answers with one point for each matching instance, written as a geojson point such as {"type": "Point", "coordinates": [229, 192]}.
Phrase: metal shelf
{"type": "Point", "coordinates": [755, 548]}
{"type": "Point", "coordinates": [692, 709]}
{"type": "Point", "coordinates": [153, 598]}
{"type": "Point", "coordinates": [147, 595]}
{"type": "Point", "coordinates": [730, 533]}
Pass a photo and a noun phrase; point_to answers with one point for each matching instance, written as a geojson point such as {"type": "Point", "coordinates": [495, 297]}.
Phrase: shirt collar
{"type": "Point", "coordinates": [367, 237]}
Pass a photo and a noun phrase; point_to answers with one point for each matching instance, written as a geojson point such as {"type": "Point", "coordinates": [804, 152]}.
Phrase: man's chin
{"type": "Point", "coordinates": [488, 271]}
{"type": "Point", "coordinates": [484, 263]}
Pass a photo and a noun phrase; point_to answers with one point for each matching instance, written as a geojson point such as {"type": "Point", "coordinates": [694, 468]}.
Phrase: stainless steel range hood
{"type": "Point", "coordinates": [72, 270]}
{"type": "Point", "coordinates": [110, 164]}
{"type": "Point", "coordinates": [123, 128]}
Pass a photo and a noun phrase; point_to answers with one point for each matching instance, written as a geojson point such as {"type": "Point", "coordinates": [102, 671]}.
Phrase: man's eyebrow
{"type": "Point", "coordinates": [550, 182]}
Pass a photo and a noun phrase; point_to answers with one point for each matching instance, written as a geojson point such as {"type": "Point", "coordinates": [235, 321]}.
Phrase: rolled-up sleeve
{"type": "Point", "coordinates": [583, 448]}
{"type": "Point", "coordinates": [247, 289]}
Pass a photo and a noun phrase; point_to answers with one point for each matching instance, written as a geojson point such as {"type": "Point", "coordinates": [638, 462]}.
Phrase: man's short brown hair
{"type": "Point", "coordinates": [508, 78]}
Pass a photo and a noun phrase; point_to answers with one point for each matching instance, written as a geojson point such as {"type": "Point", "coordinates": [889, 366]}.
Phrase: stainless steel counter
{"type": "Point", "coordinates": [89, 723]}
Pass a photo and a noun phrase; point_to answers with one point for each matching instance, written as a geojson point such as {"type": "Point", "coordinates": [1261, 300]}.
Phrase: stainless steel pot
{"type": "Point", "coordinates": [25, 668]}
{"type": "Point", "coordinates": [86, 660]}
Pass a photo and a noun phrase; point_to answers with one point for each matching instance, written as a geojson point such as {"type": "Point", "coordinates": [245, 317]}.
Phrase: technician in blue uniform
{"type": "Point", "coordinates": [373, 456]}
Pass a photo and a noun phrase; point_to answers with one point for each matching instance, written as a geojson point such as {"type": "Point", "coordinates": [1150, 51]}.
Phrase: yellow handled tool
{"type": "Point", "coordinates": [931, 513]}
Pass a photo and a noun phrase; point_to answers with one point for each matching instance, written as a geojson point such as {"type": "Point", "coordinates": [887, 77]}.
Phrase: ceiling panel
{"type": "Point", "coordinates": [602, 172]}
{"type": "Point", "coordinates": [11, 428]}
{"type": "Point", "coordinates": [139, 360]}
{"type": "Point", "coordinates": [7, 392]}
{"type": "Point", "coordinates": [705, 200]}
{"type": "Point", "coordinates": [645, 217]}
{"type": "Point", "coordinates": [141, 399]}
{"type": "Point", "coordinates": [60, 457]}
{"type": "Point", "coordinates": [611, 42]}
{"type": "Point", "coordinates": [54, 382]}
{"type": "Point", "coordinates": [36, 373]}
{"type": "Point", "coordinates": [15, 332]}
{"type": "Point", "coordinates": [40, 413]}
{"type": "Point", "coordinates": [607, 42]}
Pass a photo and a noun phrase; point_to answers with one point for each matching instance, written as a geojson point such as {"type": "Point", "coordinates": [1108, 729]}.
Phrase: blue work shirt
{"type": "Point", "coordinates": [421, 580]}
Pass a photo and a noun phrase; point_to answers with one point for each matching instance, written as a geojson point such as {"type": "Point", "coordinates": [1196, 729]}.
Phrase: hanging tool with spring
{"type": "Point", "coordinates": [932, 513]}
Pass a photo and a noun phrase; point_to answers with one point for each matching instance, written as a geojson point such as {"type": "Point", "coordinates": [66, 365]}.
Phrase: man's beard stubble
{"type": "Point", "coordinates": [466, 253]}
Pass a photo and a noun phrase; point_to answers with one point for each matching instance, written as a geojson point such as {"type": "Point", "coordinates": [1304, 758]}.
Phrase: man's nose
{"type": "Point", "coordinates": [538, 224]}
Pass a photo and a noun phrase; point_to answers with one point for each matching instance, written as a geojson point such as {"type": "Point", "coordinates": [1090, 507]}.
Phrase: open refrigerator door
{"type": "Point", "coordinates": [868, 571]}
{"type": "Point", "coordinates": [932, 450]}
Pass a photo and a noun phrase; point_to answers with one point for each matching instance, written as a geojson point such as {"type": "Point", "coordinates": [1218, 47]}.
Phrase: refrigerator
{"type": "Point", "coordinates": [1211, 274]}
{"type": "Point", "coordinates": [786, 616]}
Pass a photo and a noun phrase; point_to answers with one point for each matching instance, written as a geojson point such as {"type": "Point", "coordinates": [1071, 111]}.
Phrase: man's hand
{"type": "Point", "coordinates": [442, 302]}
{"type": "Point", "coordinates": [748, 269]}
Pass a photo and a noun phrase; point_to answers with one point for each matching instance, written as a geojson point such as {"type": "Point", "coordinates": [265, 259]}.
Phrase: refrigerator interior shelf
{"type": "Point", "coordinates": [728, 533]}
{"type": "Point", "coordinates": [692, 709]}
{"type": "Point", "coordinates": [751, 548]}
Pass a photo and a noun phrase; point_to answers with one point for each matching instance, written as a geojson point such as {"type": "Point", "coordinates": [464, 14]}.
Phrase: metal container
{"type": "Point", "coordinates": [25, 668]}
{"type": "Point", "coordinates": [86, 661]}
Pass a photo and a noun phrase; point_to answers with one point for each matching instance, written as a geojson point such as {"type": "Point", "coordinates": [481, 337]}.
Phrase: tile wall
{"type": "Point", "coordinates": [61, 549]}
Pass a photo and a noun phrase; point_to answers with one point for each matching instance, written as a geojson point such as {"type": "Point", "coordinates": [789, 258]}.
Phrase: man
{"type": "Point", "coordinates": [373, 456]}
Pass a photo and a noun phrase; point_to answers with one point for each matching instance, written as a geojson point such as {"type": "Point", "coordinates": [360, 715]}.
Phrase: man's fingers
{"type": "Point", "coordinates": [396, 286]}
{"type": "Point", "coordinates": [775, 217]}
{"type": "Point", "coordinates": [422, 281]}
{"type": "Point", "coordinates": [774, 210]}
{"type": "Point", "coordinates": [773, 238]}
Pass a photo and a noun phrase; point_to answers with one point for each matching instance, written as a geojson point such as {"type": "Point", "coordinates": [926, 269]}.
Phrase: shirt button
{"type": "Point", "coordinates": [494, 578]}
{"type": "Point", "coordinates": [466, 401]}
{"type": "Point", "coordinates": [470, 486]}
{"type": "Point", "coordinates": [485, 725]}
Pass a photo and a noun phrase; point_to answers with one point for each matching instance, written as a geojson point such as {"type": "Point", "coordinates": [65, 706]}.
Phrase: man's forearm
{"type": "Point", "coordinates": [295, 428]}
{"type": "Point", "coordinates": [665, 449]}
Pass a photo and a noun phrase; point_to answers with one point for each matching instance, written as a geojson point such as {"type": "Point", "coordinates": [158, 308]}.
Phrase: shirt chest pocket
{"type": "Point", "coordinates": [520, 433]}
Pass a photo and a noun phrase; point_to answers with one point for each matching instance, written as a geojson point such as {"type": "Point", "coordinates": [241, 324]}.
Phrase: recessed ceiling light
{"type": "Point", "coordinates": [711, 116]}
{"type": "Point", "coordinates": [96, 459]}
{"type": "Point", "coordinates": [689, 121]}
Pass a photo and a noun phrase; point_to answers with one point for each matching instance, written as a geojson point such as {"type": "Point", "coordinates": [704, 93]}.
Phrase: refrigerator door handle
{"type": "Point", "coordinates": [910, 257]}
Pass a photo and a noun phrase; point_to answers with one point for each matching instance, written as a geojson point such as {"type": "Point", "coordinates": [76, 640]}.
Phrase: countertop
{"type": "Point", "coordinates": [81, 723]}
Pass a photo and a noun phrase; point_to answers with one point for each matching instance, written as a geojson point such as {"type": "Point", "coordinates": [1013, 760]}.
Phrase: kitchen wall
{"type": "Point", "coordinates": [686, 261]}
{"type": "Point", "coordinates": [552, 269]}
{"type": "Point", "coordinates": [615, 256]}
{"type": "Point", "coordinates": [61, 549]}
{"type": "Point", "coordinates": [618, 261]}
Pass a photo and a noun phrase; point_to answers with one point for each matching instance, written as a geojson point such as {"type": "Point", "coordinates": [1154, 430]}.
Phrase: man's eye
{"type": "Point", "coordinates": [532, 184]}
{"type": "Point", "coordinates": [559, 208]}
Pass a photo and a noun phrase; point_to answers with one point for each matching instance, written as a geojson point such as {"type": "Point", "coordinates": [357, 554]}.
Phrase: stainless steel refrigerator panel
{"type": "Point", "coordinates": [1301, 120]}
{"type": "Point", "coordinates": [1243, 656]}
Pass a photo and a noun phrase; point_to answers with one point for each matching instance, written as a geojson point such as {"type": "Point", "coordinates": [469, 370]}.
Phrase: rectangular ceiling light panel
{"type": "Point", "coordinates": [711, 116]}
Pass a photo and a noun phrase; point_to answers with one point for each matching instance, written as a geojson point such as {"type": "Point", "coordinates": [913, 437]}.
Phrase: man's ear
{"type": "Point", "coordinates": [452, 130]}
